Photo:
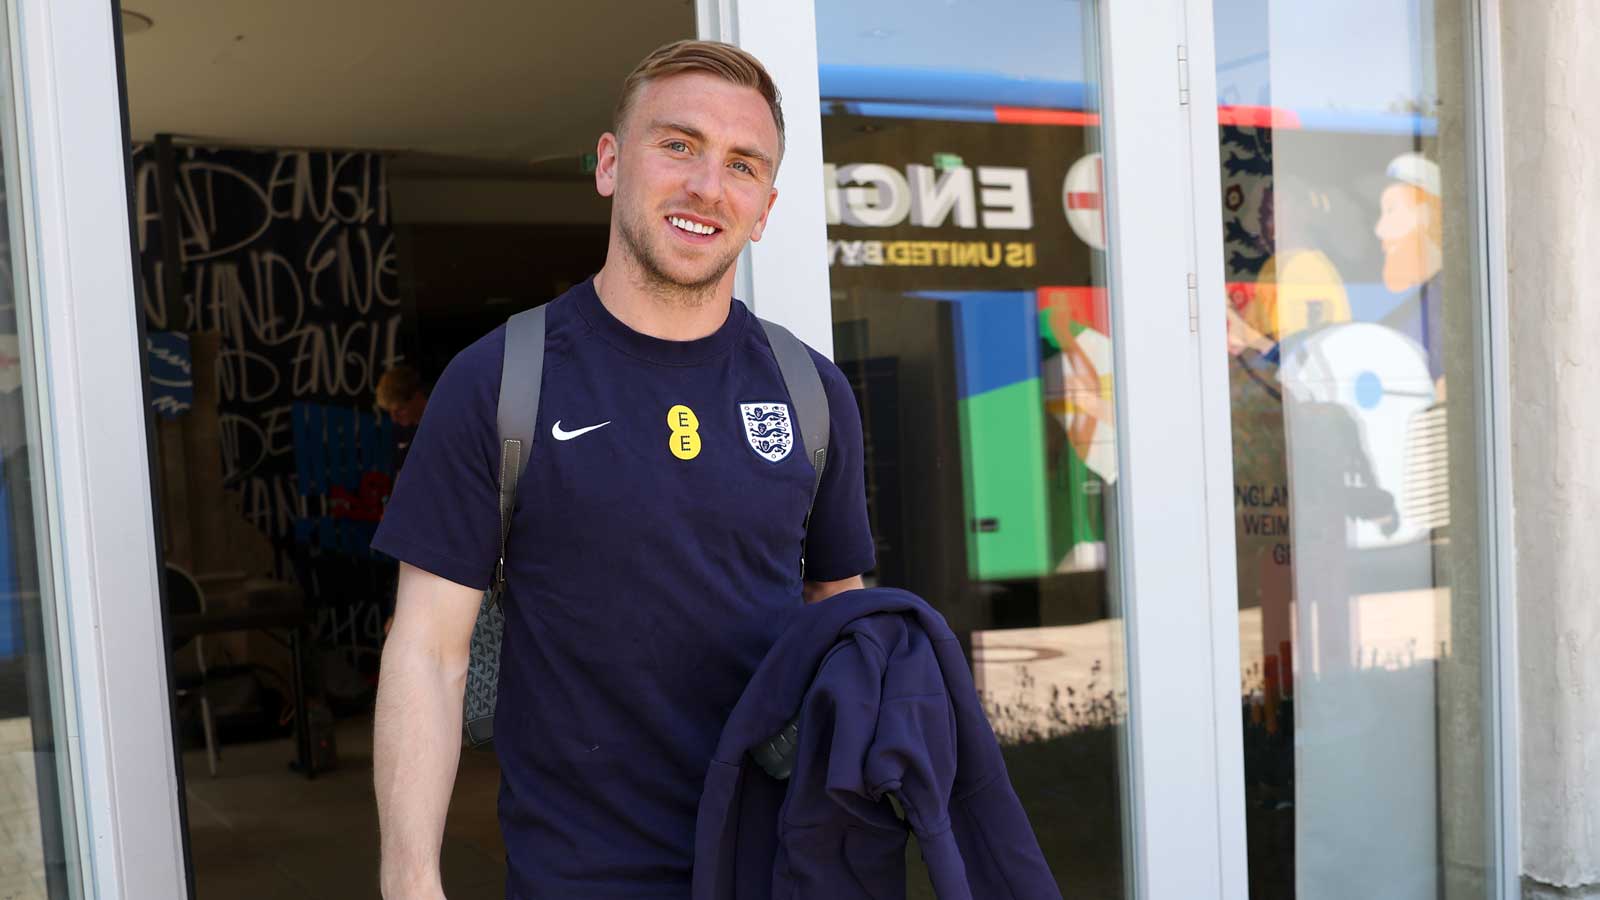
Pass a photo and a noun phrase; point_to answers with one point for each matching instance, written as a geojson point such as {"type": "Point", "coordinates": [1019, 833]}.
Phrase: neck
{"type": "Point", "coordinates": [662, 310]}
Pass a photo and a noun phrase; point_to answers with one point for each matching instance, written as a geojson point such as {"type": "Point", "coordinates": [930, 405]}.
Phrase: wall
{"type": "Point", "coordinates": [476, 246]}
{"type": "Point", "coordinates": [1551, 65]}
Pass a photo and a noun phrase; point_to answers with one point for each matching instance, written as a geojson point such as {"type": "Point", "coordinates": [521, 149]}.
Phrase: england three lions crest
{"type": "Point", "coordinates": [768, 429]}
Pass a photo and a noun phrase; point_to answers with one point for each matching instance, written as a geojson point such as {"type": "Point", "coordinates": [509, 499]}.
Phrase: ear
{"type": "Point", "coordinates": [761, 223]}
{"type": "Point", "coordinates": [605, 170]}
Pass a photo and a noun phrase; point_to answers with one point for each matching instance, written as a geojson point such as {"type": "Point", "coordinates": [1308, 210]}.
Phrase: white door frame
{"type": "Point", "coordinates": [1199, 75]}
{"type": "Point", "coordinates": [74, 156]}
{"type": "Point", "coordinates": [1497, 536]}
{"type": "Point", "coordinates": [784, 276]}
{"type": "Point", "coordinates": [1166, 281]}
{"type": "Point", "coordinates": [1178, 593]}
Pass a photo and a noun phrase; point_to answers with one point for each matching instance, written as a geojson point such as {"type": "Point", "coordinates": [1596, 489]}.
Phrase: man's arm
{"type": "Point", "coordinates": [417, 731]}
{"type": "Point", "coordinates": [818, 591]}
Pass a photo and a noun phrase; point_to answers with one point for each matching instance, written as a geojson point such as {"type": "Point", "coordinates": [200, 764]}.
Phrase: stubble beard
{"type": "Point", "coordinates": [646, 265]}
{"type": "Point", "coordinates": [1409, 261]}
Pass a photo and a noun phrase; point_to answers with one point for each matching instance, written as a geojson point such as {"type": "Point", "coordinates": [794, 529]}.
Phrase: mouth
{"type": "Point", "coordinates": [694, 230]}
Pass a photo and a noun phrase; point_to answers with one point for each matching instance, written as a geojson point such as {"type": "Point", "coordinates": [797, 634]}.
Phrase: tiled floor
{"type": "Point", "coordinates": [21, 855]}
{"type": "Point", "coordinates": [261, 832]}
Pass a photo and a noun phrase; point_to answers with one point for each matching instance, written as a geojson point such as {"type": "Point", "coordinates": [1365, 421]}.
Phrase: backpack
{"type": "Point", "coordinates": [521, 372]}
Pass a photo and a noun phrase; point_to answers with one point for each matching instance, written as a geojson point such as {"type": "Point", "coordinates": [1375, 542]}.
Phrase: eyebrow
{"type": "Point", "coordinates": [697, 134]}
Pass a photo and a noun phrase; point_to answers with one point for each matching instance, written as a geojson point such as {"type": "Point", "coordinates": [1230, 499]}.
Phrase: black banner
{"type": "Point", "coordinates": [289, 256]}
{"type": "Point", "coordinates": [931, 204]}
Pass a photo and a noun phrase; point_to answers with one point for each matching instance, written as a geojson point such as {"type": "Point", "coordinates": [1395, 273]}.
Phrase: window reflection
{"type": "Point", "coordinates": [964, 193]}
{"type": "Point", "coordinates": [1350, 310]}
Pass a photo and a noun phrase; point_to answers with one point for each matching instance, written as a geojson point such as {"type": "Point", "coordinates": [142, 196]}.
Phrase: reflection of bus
{"type": "Point", "coordinates": [983, 196]}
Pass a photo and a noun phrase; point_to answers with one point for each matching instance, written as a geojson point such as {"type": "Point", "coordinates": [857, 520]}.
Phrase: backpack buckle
{"type": "Point", "coordinates": [776, 755]}
{"type": "Point", "coordinates": [498, 585]}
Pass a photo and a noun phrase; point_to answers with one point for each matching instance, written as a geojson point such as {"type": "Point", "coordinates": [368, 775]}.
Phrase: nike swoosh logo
{"type": "Point", "coordinates": [558, 434]}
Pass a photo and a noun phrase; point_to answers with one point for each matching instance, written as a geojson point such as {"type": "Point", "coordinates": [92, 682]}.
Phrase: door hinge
{"type": "Point", "coordinates": [1194, 304]}
{"type": "Point", "coordinates": [1183, 75]}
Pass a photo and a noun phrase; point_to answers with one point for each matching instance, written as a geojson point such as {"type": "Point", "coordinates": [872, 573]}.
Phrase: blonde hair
{"type": "Point", "coordinates": [724, 61]}
{"type": "Point", "coordinates": [397, 385]}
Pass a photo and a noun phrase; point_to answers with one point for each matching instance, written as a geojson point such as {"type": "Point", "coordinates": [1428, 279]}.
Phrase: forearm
{"type": "Point", "coordinates": [416, 750]}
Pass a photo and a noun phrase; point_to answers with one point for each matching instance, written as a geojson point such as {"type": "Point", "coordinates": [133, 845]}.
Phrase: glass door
{"type": "Point", "coordinates": [965, 197]}
{"type": "Point", "coordinates": [1356, 340]}
{"type": "Point", "coordinates": [999, 218]}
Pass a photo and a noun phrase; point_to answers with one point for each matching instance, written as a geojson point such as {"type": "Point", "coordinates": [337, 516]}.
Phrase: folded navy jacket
{"type": "Point", "coordinates": [887, 710]}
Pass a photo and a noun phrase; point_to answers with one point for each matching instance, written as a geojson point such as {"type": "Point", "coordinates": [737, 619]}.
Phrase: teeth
{"type": "Point", "coordinates": [687, 225]}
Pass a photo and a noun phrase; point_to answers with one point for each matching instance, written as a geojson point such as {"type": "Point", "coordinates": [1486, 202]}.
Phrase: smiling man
{"type": "Point", "coordinates": [656, 543]}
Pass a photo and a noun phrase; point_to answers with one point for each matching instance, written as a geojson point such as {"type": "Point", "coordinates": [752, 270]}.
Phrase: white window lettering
{"type": "Point", "coordinates": [877, 196]}
{"type": "Point", "coordinates": [1006, 203]}
{"type": "Point", "coordinates": [935, 196]}
{"type": "Point", "coordinates": [830, 192]}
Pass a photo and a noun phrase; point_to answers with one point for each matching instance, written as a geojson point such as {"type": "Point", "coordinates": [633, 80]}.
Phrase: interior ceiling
{"type": "Point", "coordinates": [509, 80]}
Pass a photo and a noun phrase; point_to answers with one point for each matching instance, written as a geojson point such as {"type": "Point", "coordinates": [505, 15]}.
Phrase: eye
{"type": "Point", "coordinates": [744, 167]}
{"type": "Point", "coordinates": [677, 146]}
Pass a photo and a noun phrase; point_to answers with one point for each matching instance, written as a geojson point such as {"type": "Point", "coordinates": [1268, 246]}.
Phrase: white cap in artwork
{"type": "Point", "coordinates": [1416, 170]}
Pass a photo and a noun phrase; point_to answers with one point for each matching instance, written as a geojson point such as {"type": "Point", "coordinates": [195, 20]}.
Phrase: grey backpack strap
{"type": "Point", "coordinates": [776, 755]}
{"type": "Point", "coordinates": [805, 394]}
{"type": "Point", "coordinates": [521, 372]}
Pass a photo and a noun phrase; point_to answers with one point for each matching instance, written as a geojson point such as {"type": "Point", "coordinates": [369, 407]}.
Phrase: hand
{"type": "Point", "coordinates": [1090, 407]}
{"type": "Point", "coordinates": [1242, 337]}
{"type": "Point", "coordinates": [1084, 391]}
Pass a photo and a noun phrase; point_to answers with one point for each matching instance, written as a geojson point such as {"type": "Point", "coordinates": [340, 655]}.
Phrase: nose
{"type": "Point", "coordinates": [705, 180]}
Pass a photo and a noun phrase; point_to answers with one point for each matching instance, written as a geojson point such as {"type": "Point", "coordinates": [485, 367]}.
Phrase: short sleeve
{"type": "Point", "coordinates": [443, 515]}
{"type": "Point", "coordinates": [839, 540]}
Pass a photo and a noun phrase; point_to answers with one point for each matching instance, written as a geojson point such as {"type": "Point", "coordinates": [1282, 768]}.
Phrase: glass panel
{"type": "Point", "coordinates": [1354, 322]}
{"type": "Point", "coordinates": [38, 846]}
{"type": "Point", "coordinates": [966, 238]}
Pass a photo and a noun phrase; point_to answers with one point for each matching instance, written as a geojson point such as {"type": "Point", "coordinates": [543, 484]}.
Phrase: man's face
{"type": "Point", "coordinates": [409, 413]}
{"type": "Point", "coordinates": [690, 177]}
{"type": "Point", "coordinates": [1408, 231]}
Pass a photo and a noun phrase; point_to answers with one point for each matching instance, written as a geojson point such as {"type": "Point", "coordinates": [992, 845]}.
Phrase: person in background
{"type": "Point", "coordinates": [403, 397]}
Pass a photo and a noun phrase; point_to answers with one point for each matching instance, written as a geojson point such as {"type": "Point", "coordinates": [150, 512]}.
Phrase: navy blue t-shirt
{"type": "Point", "coordinates": [654, 552]}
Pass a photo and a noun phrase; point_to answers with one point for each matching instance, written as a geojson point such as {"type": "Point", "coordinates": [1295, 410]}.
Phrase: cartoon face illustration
{"type": "Point", "coordinates": [1411, 223]}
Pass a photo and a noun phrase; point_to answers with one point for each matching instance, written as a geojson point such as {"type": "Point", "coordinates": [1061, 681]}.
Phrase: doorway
{"type": "Point", "coordinates": [400, 142]}
{"type": "Point", "coordinates": [330, 201]}
{"type": "Point", "coordinates": [990, 300]}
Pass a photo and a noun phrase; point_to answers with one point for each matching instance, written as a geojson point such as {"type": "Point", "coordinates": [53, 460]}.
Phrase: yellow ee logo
{"type": "Point", "coordinates": [685, 425]}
